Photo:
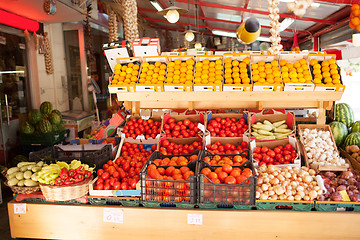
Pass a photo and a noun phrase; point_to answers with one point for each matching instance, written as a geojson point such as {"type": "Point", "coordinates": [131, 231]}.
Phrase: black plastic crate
{"type": "Point", "coordinates": [90, 157]}
{"type": "Point", "coordinates": [191, 164]}
{"type": "Point", "coordinates": [168, 193]}
{"type": "Point", "coordinates": [227, 196]}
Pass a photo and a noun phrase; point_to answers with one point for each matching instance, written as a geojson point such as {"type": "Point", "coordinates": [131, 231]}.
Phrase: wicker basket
{"type": "Point", "coordinates": [23, 190]}
{"type": "Point", "coordinates": [65, 192]}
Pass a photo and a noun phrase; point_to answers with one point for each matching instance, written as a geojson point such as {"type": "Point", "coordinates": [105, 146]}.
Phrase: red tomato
{"type": "Point", "coordinates": [222, 176]}
{"type": "Point", "coordinates": [205, 171]}
{"type": "Point", "coordinates": [288, 147]}
{"type": "Point", "coordinates": [100, 172]}
{"type": "Point", "coordinates": [117, 186]}
{"type": "Point", "coordinates": [99, 186]}
{"type": "Point", "coordinates": [288, 158]}
{"type": "Point", "coordinates": [105, 175]}
{"type": "Point", "coordinates": [107, 186]}
{"type": "Point", "coordinates": [227, 168]}
{"type": "Point", "coordinates": [124, 186]}
{"type": "Point", "coordinates": [257, 150]}
{"type": "Point", "coordinates": [264, 149]}
{"type": "Point", "coordinates": [230, 180]}
{"type": "Point", "coordinates": [271, 153]}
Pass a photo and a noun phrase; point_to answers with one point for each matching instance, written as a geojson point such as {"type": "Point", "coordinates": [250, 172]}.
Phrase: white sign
{"type": "Point", "coordinates": [196, 219]}
{"type": "Point", "coordinates": [20, 208]}
{"type": "Point", "coordinates": [113, 215]}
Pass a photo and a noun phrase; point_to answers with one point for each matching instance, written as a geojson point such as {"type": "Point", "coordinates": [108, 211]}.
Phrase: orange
{"type": "Point", "coordinates": [162, 66]}
{"type": "Point", "coordinates": [177, 67]}
{"type": "Point", "coordinates": [327, 79]}
{"type": "Point", "coordinates": [242, 65]}
{"type": "Point", "coordinates": [277, 79]}
{"type": "Point", "coordinates": [268, 71]}
{"type": "Point", "coordinates": [199, 64]}
{"type": "Point", "coordinates": [246, 60]}
{"type": "Point", "coordinates": [355, 21]}
{"type": "Point", "coordinates": [227, 75]}
{"type": "Point", "coordinates": [300, 75]}
{"type": "Point", "coordinates": [205, 71]}
{"type": "Point", "coordinates": [246, 80]}
{"type": "Point", "coordinates": [300, 70]}
{"type": "Point", "coordinates": [244, 70]}
{"type": "Point", "coordinates": [157, 64]}
{"type": "Point", "coordinates": [283, 62]}
{"type": "Point", "coordinates": [190, 61]}
{"type": "Point", "coordinates": [212, 74]}
{"type": "Point", "coordinates": [302, 61]}
{"type": "Point", "coordinates": [284, 69]}
{"type": "Point", "coordinates": [289, 65]}
{"type": "Point", "coordinates": [255, 72]}
{"type": "Point", "coordinates": [261, 69]}
{"type": "Point", "coordinates": [235, 63]}
{"type": "Point", "coordinates": [317, 66]}
{"type": "Point", "coordinates": [336, 76]}
{"type": "Point", "coordinates": [171, 69]}
{"type": "Point", "coordinates": [318, 76]}
{"type": "Point", "coordinates": [129, 70]}
{"type": "Point", "coordinates": [333, 66]}
{"type": "Point", "coordinates": [255, 78]}
{"type": "Point", "coordinates": [285, 74]}
{"type": "Point", "coordinates": [326, 74]}
{"type": "Point", "coordinates": [296, 65]}
{"type": "Point", "coordinates": [218, 62]}
{"type": "Point", "coordinates": [135, 73]}
{"type": "Point", "coordinates": [197, 80]}
{"type": "Point", "coordinates": [177, 62]}
{"type": "Point", "coordinates": [334, 71]}
{"type": "Point", "coordinates": [237, 80]}
{"type": "Point", "coordinates": [183, 69]}
{"type": "Point", "coordinates": [276, 73]}
{"type": "Point", "coordinates": [212, 64]}
{"type": "Point", "coordinates": [228, 70]}
{"type": "Point", "coordinates": [274, 63]}
{"type": "Point", "coordinates": [254, 66]}
{"type": "Point", "coordinates": [130, 65]}
{"type": "Point", "coordinates": [268, 65]}
{"type": "Point", "coordinates": [171, 64]}
{"type": "Point", "coordinates": [190, 67]}
{"type": "Point", "coordinates": [133, 78]}
{"type": "Point", "coordinates": [261, 63]}
{"type": "Point", "coordinates": [206, 62]}
{"type": "Point", "coordinates": [236, 69]}
{"type": "Point", "coordinates": [332, 61]}
{"type": "Point", "coordinates": [235, 75]}
{"type": "Point", "coordinates": [325, 64]}
{"type": "Point", "coordinates": [262, 75]}
{"type": "Point", "coordinates": [136, 67]}
{"type": "Point", "coordinates": [313, 62]}
{"type": "Point", "coordinates": [183, 64]}
{"type": "Point", "coordinates": [228, 65]}
{"type": "Point", "coordinates": [206, 67]}
{"type": "Point", "coordinates": [161, 78]}
{"type": "Point", "coordinates": [162, 72]}
{"type": "Point", "coordinates": [355, 7]}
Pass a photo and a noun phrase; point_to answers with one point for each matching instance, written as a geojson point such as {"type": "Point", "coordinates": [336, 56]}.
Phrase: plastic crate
{"type": "Point", "coordinates": [124, 201]}
{"type": "Point", "coordinates": [285, 205]}
{"type": "Point", "coordinates": [328, 206]}
{"type": "Point", "coordinates": [225, 196]}
{"type": "Point", "coordinates": [41, 199]}
{"type": "Point", "coordinates": [90, 157]}
{"type": "Point", "coordinates": [168, 193]}
{"type": "Point", "coordinates": [47, 139]}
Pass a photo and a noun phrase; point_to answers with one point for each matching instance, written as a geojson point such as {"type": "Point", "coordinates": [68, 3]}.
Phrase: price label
{"type": "Point", "coordinates": [195, 219]}
{"type": "Point", "coordinates": [113, 215]}
{"type": "Point", "coordinates": [344, 196]}
{"type": "Point", "coordinates": [20, 208]}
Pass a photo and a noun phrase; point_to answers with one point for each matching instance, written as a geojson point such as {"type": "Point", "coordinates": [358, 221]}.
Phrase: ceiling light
{"type": "Point", "coordinates": [224, 33]}
{"type": "Point", "coordinates": [286, 23]}
{"type": "Point", "coordinates": [356, 39]}
{"type": "Point", "coordinates": [189, 36]}
{"type": "Point", "coordinates": [156, 5]}
{"type": "Point", "coordinates": [263, 39]}
{"type": "Point", "coordinates": [172, 13]}
{"type": "Point", "coordinates": [198, 46]}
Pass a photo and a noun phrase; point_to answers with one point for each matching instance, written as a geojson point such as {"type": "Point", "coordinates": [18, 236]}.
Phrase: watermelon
{"type": "Point", "coordinates": [340, 131]}
{"type": "Point", "coordinates": [344, 114]}
{"type": "Point", "coordinates": [55, 128]}
{"type": "Point", "coordinates": [55, 119]}
{"type": "Point", "coordinates": [27, 128]}
{"type": "Point", "coordinates": [355, 127]}
{"type": "Point", "coordinates": [34, 116]}
{"type": "Point", "coordinates": [45, 116]}
{"type": "Point", "coordinates": [352, 139]}
{"type": "Point", "coordinates": [46, 107]}
{"type": "Point", "coordinates": [61, 127]}
{"type": "Point", "coordinates": [57, 112]}
{"type": "Point", "coordinates": [44, 126]}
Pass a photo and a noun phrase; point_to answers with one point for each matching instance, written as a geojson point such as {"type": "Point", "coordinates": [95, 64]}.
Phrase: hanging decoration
{"type": "Point", "coordinates": [248, 31]}
{"type": "Point", "coordinates": [49, 67]}
{"type": "Point", "coordinates": [275, 38]}
{"type": "Point", "coordinates": [42, 49]}
{"type": "Point", "coordinates": [130, 20]}
{"type": "Point", "coordinates": [355, 17]}
{"type": "Point", "coordinates": [299, 7]}
{"type": "Point", "coordinates": [88, 37]}
{"type": "Point", "coordinates": [27, 36]}
{"type": "Point", "coordinates": [49, 6]}
{"type": "Point", "coordinates": [35, 38]}
{"type": "Point", "coordinates": [113, 27]}
{"type": "Point", "coordinates": [295, 47]}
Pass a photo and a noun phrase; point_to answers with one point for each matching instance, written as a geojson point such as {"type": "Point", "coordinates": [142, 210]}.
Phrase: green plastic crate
{"type": "Point", "coordinates": [326, 206]}
{"type": "Point", "coordinates": [167, 205]}
{"type": "Point", "coordinates": [47, 139]}
{"type": "Point", "coordinates": [226, 206]}
{"type": "Point", "coordinates": [126, 202]}
{"type": "Point", "coordinates": [42, 200]}
{"type": "Point", "coordinates": [285, 205]}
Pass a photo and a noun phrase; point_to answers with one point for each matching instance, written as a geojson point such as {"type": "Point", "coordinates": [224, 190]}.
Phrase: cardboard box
{"type": "Point", "coordinates": [114, 193]}
{"type": "Point", "coordinates": [211, 116]}
{"type": "Point", "coordinates": [320, 56]}
{"type": "Point", "coordinates": [292, 58]}
{"type": "Point", "coordinates": [289, 120]}
{"type": "Point", "coordinates": [178, 87]}
{"type": "Point", "coordinates": [110, 129]}
{"type": "Point", "coordinates": [143, 47]}
{"type": "Point", "coordinates": [235, 86]}
{"type": "Point", "coordinates": [200, 118]}
{"type": "Point", "coordinates": [142, 87]}
{"type": "Point", "coordinates": [209, 86]}
{"type": "Point", "coordinates": [301, 128]}
{"type": "Point", "coordinates": [125, 87]}
{"type": "Point", "coordinates": [116, 50]}
{"type": "Point", "coordinates": [265, 87]}
{"type": "Point", "coordinates": [273, 144]}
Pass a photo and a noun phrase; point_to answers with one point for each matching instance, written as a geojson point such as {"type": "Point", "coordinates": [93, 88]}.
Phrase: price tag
{"type": "Point", "coordinates": [20, 208]}
{"type": "Point", "coordinates": [344, 196]}
{"type": "Point", "coordinates": [113, 215]}
{"type": "Point", "coordinates": [195, 219]}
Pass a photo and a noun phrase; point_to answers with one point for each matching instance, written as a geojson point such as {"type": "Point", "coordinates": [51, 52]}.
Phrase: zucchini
{"type": "Point", "coordinates": [281, 136]}
{"type": "Point", "coordinates": [283, 126]}
{"type": "Point", "coordinates": [277, 130]}
{"type": "Point", "coordinates": [266, 122]}
{"type": "Point", "coordinates": [12, 170]}
{"type": "Point", "coordinates": [279, 123]}
{"type": "Point", "coordinates": [255, 134]}
{"type": "Point", "coordinates": [40, 164]}
{"type": "Point", "coordinates": [35, 168]}
{"type": "Point", "coordinates": [263, 132]}
{"type": "Point", "coordinates": [30, 183]}
{"type": "Point", "coordinates": [19, 175]}
{"type": "Point", "coordinates": [265, 138]}
{"type": "Point", "coordinates": [27, 174]}
{"type": "Point", "coordinates": [12, 182]}
{"type": "Point", "coordinates": [21, 183]}
{"type": "Point", "coordinates": [21, 164]}
{"type": "Point", "coordinates": [13, 175]}
{"type": "Point", "coordinates": [257, 126]}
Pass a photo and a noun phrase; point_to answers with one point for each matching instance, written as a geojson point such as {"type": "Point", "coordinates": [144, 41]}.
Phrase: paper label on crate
{"type": "Point", "coordinates": [20, 208]}
{"type": "Point", "coordinates": [208, 139]}
{"type": "Point", "coordinates": [195, 219]}
{"type": "Point", "coordinates": [201, 127]}
{"type": "Point", "coordinates": [344, 196]}
{"type": "Point", "coordinates": [113, 215]}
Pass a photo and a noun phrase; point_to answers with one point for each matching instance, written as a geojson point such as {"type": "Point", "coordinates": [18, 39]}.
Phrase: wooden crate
{"type": "Point", "coordinates": [199, 87]}
{"type": "Point", "coordinates": [355, 164]}
{"type": "Point", "coordinates": [238, 87]}
{"type": "Point", "coordinates": [126, 87]}
{"type": "Point", "coordinates": [301, 127]}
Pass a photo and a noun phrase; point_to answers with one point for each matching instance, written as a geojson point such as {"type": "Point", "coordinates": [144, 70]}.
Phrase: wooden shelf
{"type": "Point", "coordinates": [228, 100]}
{"type": "Point", "coordinates": [53, 221]}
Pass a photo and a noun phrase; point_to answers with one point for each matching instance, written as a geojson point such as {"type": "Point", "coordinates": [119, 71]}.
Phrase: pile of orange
{"type": "Point", "coordinates": [126, 73]}
{"type": "Point", "coordinates": [209, 72]}
{"type": "Point", "coordinates": [297, 72]}
{"type": "Point", "coordinates": [325, 72]}
{"type": "Point", "coordinates": [236, 72]}
{"type": "Point", "coordinates": [265, 73]}
{"type": "Point", "coordinates": [180, 72]}
{"type": "Point", "coordinates": [152, 73]}
{"type": "Point", "coordinates": [355, 17]}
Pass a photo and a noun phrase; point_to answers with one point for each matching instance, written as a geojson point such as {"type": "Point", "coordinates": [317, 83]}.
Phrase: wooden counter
{"type": "Point", "coordinates": [50, 221]}
{"type": "Point", "coordinates": [230, 100]}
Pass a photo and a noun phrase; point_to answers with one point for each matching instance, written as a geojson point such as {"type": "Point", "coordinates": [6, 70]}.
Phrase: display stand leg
{"type": "Point", "coordinates": [321, 118]}
{"type": "Point", "coordinates": [136, 107]}
{"type": "Point", "coordinates": [127, 105]}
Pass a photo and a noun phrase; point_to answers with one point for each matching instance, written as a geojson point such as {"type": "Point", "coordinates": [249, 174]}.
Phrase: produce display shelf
{"type": "Point", "coordinates": [285, 205]}
{"type": "Point", "coordinates": [226, 206]}
{"type": "Point", "coordinates": [120, 201]}
{"type": "Point", "coordinates": [48, 221]}
{"type": "Point", "coordinates": [231, 100]}
{"type": "Point", "coordinates": [328, 206]}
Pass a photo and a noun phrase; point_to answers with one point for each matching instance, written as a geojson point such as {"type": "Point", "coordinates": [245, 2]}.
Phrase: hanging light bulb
{"type": "Point", "coordinates": [198, 45]}
{"type": "Point", "coordinates": [189, 36]}
{"type": "Point", "coordinates": [356, 39]}
{"type": "Point", "coordinates": [172, 16]}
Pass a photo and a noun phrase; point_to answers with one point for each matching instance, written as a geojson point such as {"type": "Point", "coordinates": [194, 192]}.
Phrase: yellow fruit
{"type": "Point", "coordinates": [302, 80]}
{"type": "Point", "coordinates": [254, 66]}
{"type": "Point", "coordinates": [325, 69]}
{"type": "Point", "coordinates": [238, 80]}
{"type": "Point", "coordinates": [255, 72]}
{"type": "Point", "coordinates": [227, 60]}
{"type": "Point", "coordinates": [228, 81]}
{"type": "Point", "coordinates": [242, 65]}
{"type": "Point", "coordinates": [246, 80]}
{"type": "Point", "coordinates": [332, 61]}
{"type": "Point", "coordinates": [294, 80]}
{"type": "Point", "coordinates": [336, 81]}
{"type": "Point", "coordinates": [293, 75]}
{"type": "Point", "coordinates": [306, 72]}
{"type": "Point", "coordinates": [270, 81]}
{"type": "Point", "coordinates": [261, 63]}
{"type": "Point", "coordinates": [235, 75]}
{"type": "Point", "coordinates": [308, 78]}
{"type": "Point", "coordinates": [268, 65]}
{"type": "Point", "coordinates": [300, 75]}
{"type": "Point", "coordinates": [182, 80]}
{"type": "Point", "coordinates": [129, 70]}
{"type": "Point", "coordinates": [261, 69]}
{"type": "Point", "coordinates": [325, 63]}
{"type": "Point", "coordinates": [289, 65]}
{"type": "Point", "coordinates": [317, 66]}
{"type": "Point", "coordinates": [199, 64]}
{"type": "Point", "coordinates": [206, 62]}
{"type": "Point", "coordinates": [197, 80]}
{"type": "Point", "coordinates": [317, 80]}
{"type": "Point", "coordinates": [142, 80]}
{"type": "Point", "coordinates": [336, 76]}
{"type": "Point", "coordinates": [334, 71]}
{"type": "Point", "coordinates": [117, 67]}
{"type": "Point", "coordinates": [218, 82]}
{"type": "Point", "coordinates": [235, 63]}
{"type": "Point", "coordinates": [333, 66]}
{"type": "Point", "coordinates": [326, 74]}
{"type": "Point", "coordinates": [262, 75]}
{"type": "Point", "coordinates": [206, 67]}
{"type": "Point", "coordinates": [204, 81]}
{"type": "Point", "coordinates": [300, 70]}
{"type": "Point", "coordinates": [269, 76]}
{"type": "Point", "coordinates": [283, 62]}
{"type": "Point", "coordinates": [243, 75]}
{"type": "Point", "coordinates": [188, 83]}
{"type": "Point", "coordinates": [274, 63]}
{"type": "Point", "coordinates": [190, 62]}
{"type": "Point", "coordinates": [302, 61]}
{"type": "Point", "coordinates": [285, 74]}
{"type": "Point", "coordinates": [212, 64]}
{"type": "Point", "coordinates": [123, 68]}
{"type": "Point", "coordinates": [176, 77]}
{"type": "Point", "coordinates": [176, 81]}
{"type": "Point", "coordinates": [268, 71]}
{"type": "Point", "coordinates": [177, 62]}
{"type": "Point", "coordinates": [171, 64]}
{"type": "Point", "coordinates": [127, 81]}
{"type": "Point", "coordinates": [135, 73]}
{"type": "Point", "coordinates": [130, 65]}
{"type": "Point", "coordinates": [161, 78]}
{"type": "Point", "coordinates": [244, 70]}
{"type": "Point", "coordinates": [218, 62]}
{"type": "Point", "coordinates": [284, 69]}
{"type": "Point", "coordinates": [277, 79]}
{"type": "Point", "coordinates": [276, 73]}
{"type": "Point", "coordinates": [316, 71]}
{"type": "Point", "coordinates": [219, 77]}
{"type": "Point", "coordinates": [261, 80]}
{"type": "Point", "coordinates": [286, 80]}
{"type": "Point", "coordinates": [255, 78]}
{"type": "Point", "coordinates": [327, 79]}
{"type": "Point", "coordinates": [236, 69]}
{"type": "Point", "coordinates": [228, 65]}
